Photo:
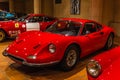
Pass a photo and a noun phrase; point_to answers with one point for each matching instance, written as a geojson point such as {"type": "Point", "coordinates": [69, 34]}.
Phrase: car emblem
{"type": "Point", "coordinates": [16, 25]}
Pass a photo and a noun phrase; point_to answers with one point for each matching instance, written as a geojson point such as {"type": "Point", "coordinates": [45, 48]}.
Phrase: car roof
{"type": "Point", "coordinates": [39, 15]}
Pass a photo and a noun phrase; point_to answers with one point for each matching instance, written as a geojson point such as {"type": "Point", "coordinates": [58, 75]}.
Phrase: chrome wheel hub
{"type": "Point", "coordinates": [71, 58]}
{"type": "Point", "coordinates": [110, 42]}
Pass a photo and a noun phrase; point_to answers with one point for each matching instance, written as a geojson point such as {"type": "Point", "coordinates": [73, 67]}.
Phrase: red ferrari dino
{"type": "Point", "coordinates": [64, 42]}
{"type": "Point", "coordinates": [25, 23]}
{"type": "Point", "coordinates": [105, 66]}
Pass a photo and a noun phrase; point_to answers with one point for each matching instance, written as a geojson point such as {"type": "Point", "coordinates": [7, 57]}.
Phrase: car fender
{"type": "Point", "coordinates": [4, 31]}
{"type": "Point", "coordinates": [66, 44]}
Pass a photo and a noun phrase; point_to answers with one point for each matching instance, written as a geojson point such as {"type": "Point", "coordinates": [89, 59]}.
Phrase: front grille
{"type": "Point", "coordinates": [15, 58]}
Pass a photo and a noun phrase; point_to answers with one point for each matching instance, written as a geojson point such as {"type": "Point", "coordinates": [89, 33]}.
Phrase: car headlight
{"type": "Point", "coordinates": [32, 57]}
{"type": "Point", "coordinates": [52, 48]}
{"type": "Point", "coordinates": [93, 68]}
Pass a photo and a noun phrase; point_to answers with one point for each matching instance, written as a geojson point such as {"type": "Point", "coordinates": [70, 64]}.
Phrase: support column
{"type": "Point", "coordinates": [11, 5]}
{"type": "Point", "coordinates": [37, 6]}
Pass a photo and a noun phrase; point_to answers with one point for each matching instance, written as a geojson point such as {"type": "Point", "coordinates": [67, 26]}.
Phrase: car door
{"type": "Point", "coordinates": [34, 23]}
{"type": "Point", "coordinates": [94, 35]}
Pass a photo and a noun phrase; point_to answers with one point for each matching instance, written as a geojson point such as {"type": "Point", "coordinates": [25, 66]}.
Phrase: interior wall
{"type": "Point", "coordinates": [4, 6]}
{"type": "Point", "coordinates": [117, 11]}
{"type": "Point", "coordinates": [47, 7]}
{"type": "Point", "coordinates": [22, 7]}
{"type": "Point", "coordinates": [19, 6]}
{"type": "Point", "coordinates": [63, 9]}
{"type": "Point", "coordinates": [116, 23]}
{"type": "Point", "coordinates": [108, 12]}
{"type": "Point", "coordinates": [29, 6]}
{"type": "Point", "coordinates": [96, 10]}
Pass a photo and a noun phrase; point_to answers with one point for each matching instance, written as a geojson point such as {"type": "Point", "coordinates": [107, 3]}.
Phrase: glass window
{"type": "Point", "coordinates": [65, 28]}
{"type": "Point", "coordinates": [23, 18]}
{"type": "Point", "coordinates": [99, 27]}
{"type": "Point", "coordinates": [89, 28]}
{"type": "Point", "coordinates": [48, 19]}
{"type": "Point", "coordinates": [36, 19]}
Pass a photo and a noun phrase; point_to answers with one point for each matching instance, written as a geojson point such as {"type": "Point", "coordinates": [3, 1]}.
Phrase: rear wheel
{"type": "Point", "coordinates": [70, 58]}
{"type": "Point", "coordinates": [2, 35]}
{"type": "Point", "coordinates": [109, 42]}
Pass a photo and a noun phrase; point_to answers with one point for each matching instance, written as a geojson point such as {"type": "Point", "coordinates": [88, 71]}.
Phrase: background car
{"type": "Point", "coordinates": [64, 42]}
{"type": "Point", "coordinates": [4, 15]}
{"type": "Point", "coordinates": [26, 23]}
{"type": "Point", "coordinates": [105, 66]}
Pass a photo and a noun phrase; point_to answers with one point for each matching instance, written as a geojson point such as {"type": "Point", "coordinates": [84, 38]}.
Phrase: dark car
{"type": "Point", "coordinates": [4, 15]}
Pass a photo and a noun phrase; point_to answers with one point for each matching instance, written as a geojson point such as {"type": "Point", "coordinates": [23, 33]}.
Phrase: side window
{"type": "Point", "coordinates": [48, 19]}
{"type": "Point", "coordinates": [40, 19]}
{"type": "Point", "coordinates": [35, 19]}
{"type": "Point", "coordinates": [99, 27]}
{"type": "Point", "coordinates": [74, 27]}
{"type": "Point", "coordinates": [89, 28]}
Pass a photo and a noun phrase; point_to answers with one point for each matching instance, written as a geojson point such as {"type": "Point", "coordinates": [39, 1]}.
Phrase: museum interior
{"type": "Point", "coordinates": [106, 13]}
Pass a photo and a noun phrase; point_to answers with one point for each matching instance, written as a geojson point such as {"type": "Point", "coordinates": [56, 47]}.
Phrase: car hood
{"type": "Point", "coordinates": [112, 72]}
{"type": "Point", "coordinates": [10, 23]}
{"type": "Point", "coordinates": [29, 42]}
{"type": "Point", "coordinates": [7, 24]}
{"type": "Point", "coordinates": [3, 22]}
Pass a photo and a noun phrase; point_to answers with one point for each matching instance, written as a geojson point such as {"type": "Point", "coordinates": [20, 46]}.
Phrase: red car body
{"type": "Point", "coordinates": [110, 67]}
{"type": "Point", "coordinates": [26, 23]}
{"type": "Point", "coordinates": [53, 47]}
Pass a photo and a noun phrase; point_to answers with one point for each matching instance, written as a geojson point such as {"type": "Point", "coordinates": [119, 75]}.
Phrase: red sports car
{"type": "Point", "coordinates": [105, 66]}
{"type": "Point", "coordinates": [64, 42]}
{"type": "Point", "coordinates": [25, 23]}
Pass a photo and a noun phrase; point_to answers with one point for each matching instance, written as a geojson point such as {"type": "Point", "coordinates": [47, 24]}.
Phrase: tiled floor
{"type": "Point", "coordinates": [9, 70]}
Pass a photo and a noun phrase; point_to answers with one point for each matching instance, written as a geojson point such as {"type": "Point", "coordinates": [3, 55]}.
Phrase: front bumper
{"type": "Point", "coordinates": [24, 62]}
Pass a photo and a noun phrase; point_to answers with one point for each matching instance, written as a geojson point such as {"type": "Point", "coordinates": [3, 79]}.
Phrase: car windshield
{"type": "Point", "coordinates": [67, 28]}
{"type": "Point", "coordinates": [22, 19]}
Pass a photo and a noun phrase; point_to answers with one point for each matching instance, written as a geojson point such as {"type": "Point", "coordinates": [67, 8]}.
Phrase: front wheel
{"type": "Point", "coordinates": [2, 36]}
{"type": "Point", "coordinates": [70, 58]}
{"type": "Point", "coordinates": [109, 42]}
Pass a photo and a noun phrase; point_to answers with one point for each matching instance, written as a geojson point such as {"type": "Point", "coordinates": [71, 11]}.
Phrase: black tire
{"type": "Point", "coordinates": [70, 58]}
{"type": "Point", "coordinates": [2, 35]}
{"type": "Point", "coordinates": [109, 42]}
